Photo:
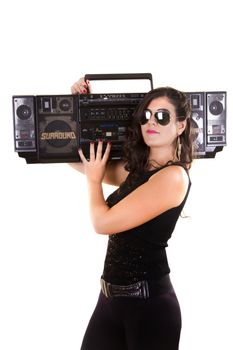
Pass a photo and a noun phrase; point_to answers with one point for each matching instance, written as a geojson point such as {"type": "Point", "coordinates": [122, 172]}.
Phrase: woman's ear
{"type": "Point", "coordinates": [181, 125]}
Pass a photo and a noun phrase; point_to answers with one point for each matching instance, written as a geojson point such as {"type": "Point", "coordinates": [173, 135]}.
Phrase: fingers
{"type": "Point", "coordinates": [98, 155]}
{"type": "Point", "coordinates": [107, 152]}
{"type": "Point", "coordinates": [82, 157]}
{"type": "Point", "coordinates": [81, 87]}
{"type": "Point", "coordinates": [92, 152]}
{"type": "Point", "coordinates": [88, 86]}
{"type": "Point", "coordinates": [99, 150]}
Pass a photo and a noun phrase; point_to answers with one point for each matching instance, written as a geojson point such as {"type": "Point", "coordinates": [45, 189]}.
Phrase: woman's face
{"type": "Point", "coordinates": [156, 135]}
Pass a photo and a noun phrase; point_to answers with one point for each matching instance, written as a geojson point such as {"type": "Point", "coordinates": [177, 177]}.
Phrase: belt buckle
{"type": "Point", "coordinates": [145, 289]}
{"type": "Point", "coordinates": [137, 290]}
{"type": "Point", "coordinates": [105, 288]}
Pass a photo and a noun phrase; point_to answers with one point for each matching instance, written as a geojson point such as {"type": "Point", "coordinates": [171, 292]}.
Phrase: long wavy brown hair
{"type": "Point", "coordinates": [136, 152]}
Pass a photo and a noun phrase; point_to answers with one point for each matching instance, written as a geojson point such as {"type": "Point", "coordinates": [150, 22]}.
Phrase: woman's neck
{"type": "Point", "coordinates": [159, 157]}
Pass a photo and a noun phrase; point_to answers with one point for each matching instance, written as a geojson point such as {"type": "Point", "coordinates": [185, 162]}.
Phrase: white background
{"type": "Point", "coordinates": [50, 257]}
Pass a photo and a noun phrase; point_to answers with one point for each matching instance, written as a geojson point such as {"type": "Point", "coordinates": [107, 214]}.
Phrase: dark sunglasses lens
{"type": "Point", "coordinates": [162, 117]}
{"type": "Point", "coordinates": [145, 117]}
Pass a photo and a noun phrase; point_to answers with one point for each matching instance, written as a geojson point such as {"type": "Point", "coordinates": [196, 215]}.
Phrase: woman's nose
{"type": "Point", "coordinates": [152, 120]}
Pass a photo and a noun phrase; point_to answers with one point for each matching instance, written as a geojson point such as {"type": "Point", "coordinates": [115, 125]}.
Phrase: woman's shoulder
{"type": "Point", "coordinates": [171, 183]}
{"type": "Point", "coordinates": [176, 174]}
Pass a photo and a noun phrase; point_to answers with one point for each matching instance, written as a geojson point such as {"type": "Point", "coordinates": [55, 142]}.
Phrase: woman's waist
{"type": "Point", "coordinates": [143, 289]}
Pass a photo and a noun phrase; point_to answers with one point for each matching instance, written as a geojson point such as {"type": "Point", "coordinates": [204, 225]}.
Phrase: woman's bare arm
{"type": "Point", "coordinates": [165, 190]}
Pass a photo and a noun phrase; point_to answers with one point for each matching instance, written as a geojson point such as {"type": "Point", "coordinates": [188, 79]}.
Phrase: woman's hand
{"type": "Point", "coordinates": [81, 87]}
{"type": "Point", "coordinates": [95, 168]}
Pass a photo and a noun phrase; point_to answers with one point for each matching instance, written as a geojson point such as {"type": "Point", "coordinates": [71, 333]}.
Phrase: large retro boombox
{"type": "Point", "coordinates": [49, 129]}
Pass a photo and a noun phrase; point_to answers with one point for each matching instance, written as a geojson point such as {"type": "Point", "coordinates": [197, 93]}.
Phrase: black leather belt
{"type": "Point", "coordinates": [141, 289]}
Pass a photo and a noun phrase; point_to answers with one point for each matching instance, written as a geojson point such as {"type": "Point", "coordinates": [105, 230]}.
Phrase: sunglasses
{"type": "Point", "coordinates": [162, 116]}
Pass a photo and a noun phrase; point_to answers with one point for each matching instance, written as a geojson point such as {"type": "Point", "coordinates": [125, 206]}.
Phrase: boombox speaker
{"type": "Point", "coordinates": [208, 122]}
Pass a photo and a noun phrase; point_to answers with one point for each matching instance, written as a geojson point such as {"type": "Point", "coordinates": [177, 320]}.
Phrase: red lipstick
{"type": "Point", "coordinates": [152, 131]}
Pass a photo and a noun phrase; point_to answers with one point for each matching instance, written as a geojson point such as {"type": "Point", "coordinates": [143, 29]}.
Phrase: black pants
{"type": "Point", "coordinates": [134, 324]}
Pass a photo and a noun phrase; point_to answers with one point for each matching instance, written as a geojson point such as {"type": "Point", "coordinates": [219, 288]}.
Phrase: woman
{"type": "Point", "coordinates": [137, 307]}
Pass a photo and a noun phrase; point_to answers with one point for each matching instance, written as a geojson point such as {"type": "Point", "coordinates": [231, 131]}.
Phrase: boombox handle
{"type": "Point", "coordinates": [125, 76]}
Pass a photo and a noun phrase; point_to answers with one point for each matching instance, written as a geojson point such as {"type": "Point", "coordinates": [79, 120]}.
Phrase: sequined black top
{"type": "Point", "coordinates": [139, 253]}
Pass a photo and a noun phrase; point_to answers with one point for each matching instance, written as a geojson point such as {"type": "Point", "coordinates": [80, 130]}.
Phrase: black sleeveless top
{"type": "Point", "coordinates": [139, 253]}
